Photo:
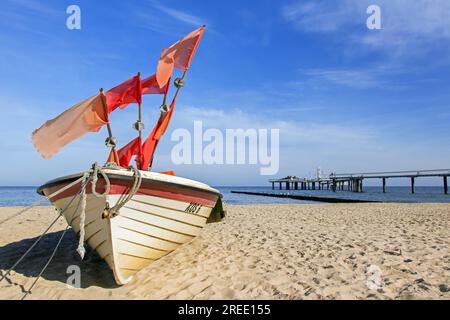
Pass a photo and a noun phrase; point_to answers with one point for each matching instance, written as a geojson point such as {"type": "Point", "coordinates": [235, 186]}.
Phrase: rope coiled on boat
{"type": "Point", "coordinates": [91, 174]}
{"type": "Point", "coordinates": [109, 212]}
{"type": "Point", "coordinates": [114, 211]}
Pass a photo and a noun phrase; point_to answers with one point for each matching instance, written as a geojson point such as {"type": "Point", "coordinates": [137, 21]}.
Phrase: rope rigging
{"type": "Point", "coordinates": [90, 176]}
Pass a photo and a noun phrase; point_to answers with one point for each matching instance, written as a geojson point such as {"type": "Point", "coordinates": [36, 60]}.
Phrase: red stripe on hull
{"type": "Point", "coordinates": [119, 187]}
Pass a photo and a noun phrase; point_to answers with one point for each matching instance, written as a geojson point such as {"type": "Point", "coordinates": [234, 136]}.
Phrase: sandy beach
{"type": "Point", "coordinates": [323, 251]}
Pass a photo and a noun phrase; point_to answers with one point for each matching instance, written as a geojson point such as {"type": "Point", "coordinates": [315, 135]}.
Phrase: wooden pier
{"type": "Point", "coordinates": [354, 181]}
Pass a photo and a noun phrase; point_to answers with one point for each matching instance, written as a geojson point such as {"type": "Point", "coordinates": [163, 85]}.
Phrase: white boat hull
{"type": "Point", "coordinates": [146, 228]}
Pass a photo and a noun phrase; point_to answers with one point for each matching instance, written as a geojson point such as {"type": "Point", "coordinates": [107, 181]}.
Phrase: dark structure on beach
{"type": "Point", "coordinates": [354, 181]}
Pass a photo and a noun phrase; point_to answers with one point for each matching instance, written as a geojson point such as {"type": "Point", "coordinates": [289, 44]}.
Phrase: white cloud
{"type": "Point", "coordinates": [406, 25]}
{"type": "Point", "coordinates": [292, 132]}
{"type": "Point", "coordinates": [166, 20]}
{"type": "Point", "coordinates": [349, 78]}
{"type": "Point", "coordinates": [181, 16]}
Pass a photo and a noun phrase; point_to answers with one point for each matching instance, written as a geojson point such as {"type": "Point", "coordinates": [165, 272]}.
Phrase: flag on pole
{"type": "Point", "coordinates": [129, 91]}
{"type": "Point", "coordinates": [133, 148]}
{"type": "Point", "coordinates": [86, 116]}
{"type": "Point", "coordinates": [151, 86]}
{"type": "Point", "coordinates": [149, 146]}
{"type": "Point", "coordinates": [179, 55]}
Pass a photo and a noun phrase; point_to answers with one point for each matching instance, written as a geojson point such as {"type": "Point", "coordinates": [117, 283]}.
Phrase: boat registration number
{"type": "Point", "coordinates": [193, 208]}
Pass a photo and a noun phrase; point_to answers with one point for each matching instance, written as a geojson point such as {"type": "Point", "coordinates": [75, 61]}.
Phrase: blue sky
{"type": "Point", "coordinates": [344, 97]}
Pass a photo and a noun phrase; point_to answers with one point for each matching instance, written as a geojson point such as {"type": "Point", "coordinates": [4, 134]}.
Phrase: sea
{"type": "Point", "coordinates": [24, 196]}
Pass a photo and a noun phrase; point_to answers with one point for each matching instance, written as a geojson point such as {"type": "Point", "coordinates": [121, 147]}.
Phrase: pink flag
{"type": "Point", "coordinates": [179, 55]}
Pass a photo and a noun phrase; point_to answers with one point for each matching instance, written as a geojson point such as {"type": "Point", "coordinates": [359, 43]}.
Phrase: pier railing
{"type": "Point", "coordinates": [354, 181]}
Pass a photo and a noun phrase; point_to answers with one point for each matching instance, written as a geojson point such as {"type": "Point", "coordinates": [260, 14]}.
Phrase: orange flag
{"type": "Point", "coordinates": [179, 55]}
{"type": "Point", "coordinates": [149, 146]}
{"type": "Point", "coordinates": [86, 116]}
{"type": "Point", "coordinates": [129, 91]}
{"type": "Point", "coordinates": [113, 157]}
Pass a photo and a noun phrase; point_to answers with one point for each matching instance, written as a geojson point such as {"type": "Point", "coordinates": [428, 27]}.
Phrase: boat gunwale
{"type": "Point", "coordinates": [75, 176]}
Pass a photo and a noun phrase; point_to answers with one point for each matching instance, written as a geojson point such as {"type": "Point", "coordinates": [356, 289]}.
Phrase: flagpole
{"type": "Point", "coordinates": [110, 141]}
{"type": "Point", "coordinates": [140, 126]}
{"type": "Point", "coordinates": [179, 83]}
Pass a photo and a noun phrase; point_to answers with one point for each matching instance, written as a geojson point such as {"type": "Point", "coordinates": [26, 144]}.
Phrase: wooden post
{"type": "Point", "coordinates": [108, 125]}
{"type": "Point", "coordinates": [139, 126]}
{"type": "Point", "coordinates": [105, 109]}
{"type": "Point", "coordinates": [413, 189]}
{"type": "Point", "coordinates": [273, 185]}
{"type": "Point", "coordinates": [384, 185]}
{"type": "Point", "coordinates": [296, 185]}
{"type": "Point", "coordinates": [281, 186]}
{"type": "Point", "coordinates": [287, 186]}
{"type": "Point", "coordinates": [445, 185]}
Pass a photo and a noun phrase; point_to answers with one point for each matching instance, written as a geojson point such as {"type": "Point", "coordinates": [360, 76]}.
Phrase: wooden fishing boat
{"type": "Point", "coordinates": [166, 212]}
{"type": "Point", "coordinates": [129, 215]}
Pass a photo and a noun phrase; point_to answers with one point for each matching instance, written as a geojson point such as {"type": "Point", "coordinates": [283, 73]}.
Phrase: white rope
{"type": "Point", "coordinates": [40, 237]}
{"type": "Point", "coordinates": [81, 250]}
{"type": "Point", "coordinates": [112, 212]}
{"type": "Point", "coordinates": [93, 173]}
{"type": "Point", "coordinates": [46, 264]}
{"type": "Point", "coordinates": [134, 189]}
{"type": "Point", "coordinates": [45, 198]}
{"type": "Point", "coordinates": [96, 169]}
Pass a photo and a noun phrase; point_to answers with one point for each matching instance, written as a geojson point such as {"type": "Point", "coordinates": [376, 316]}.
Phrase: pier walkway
{"type": "Point", "coordinates": [354, 181]}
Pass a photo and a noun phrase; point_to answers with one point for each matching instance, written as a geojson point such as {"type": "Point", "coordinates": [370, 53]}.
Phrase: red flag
{"type": "Point", "coordinates": [128, 151]}
{"type": "Point", "coordinates": [149, 146]}
{"type": "Point", "coordinates": [179, 55]}
{"type": "Point", "coordinates": [127, 92]}
{"type": "Point", "coordinates": [151, 86]}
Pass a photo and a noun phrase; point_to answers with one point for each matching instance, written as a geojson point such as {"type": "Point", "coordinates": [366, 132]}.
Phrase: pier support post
{"type": "Point", "coordinates": [314, 186]}
{"type": "Point", "coordinates": [281, 186]}
{"type": "Point", "coordinates": [273, 185]}
{"type": "Point", "coordinates": [413, 189]}
{"type": "Point", "coordinates": [445, 185]}
{"type": "Point", "coordinates": [384, 185]}
{"type": "Point", "coordinates": [287, 186]}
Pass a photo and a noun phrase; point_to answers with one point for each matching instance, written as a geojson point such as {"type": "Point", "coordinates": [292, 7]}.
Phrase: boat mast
{"type": "Point", "coordinates": [138, 125]}
{"type": "Point", "coordinates": [110, 142]}
{"type": "Point", "coordinates": [179, 83]}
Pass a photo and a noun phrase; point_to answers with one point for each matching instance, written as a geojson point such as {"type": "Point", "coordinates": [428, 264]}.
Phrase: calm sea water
{"type": "Point", "coordinates": [23, 196]}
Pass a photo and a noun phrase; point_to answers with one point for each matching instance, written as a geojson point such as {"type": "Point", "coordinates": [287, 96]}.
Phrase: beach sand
{"type": "Point", "coordinates": [323, 251]}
